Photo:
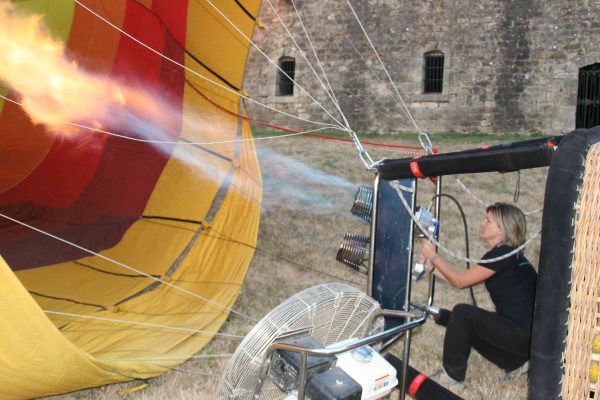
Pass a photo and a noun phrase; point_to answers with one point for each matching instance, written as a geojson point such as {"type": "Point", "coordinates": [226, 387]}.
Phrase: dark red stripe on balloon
{"type": "Point", "coordinates": [124, 172]}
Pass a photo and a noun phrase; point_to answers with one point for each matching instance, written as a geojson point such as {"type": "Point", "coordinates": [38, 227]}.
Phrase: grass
{"type": "Point", "coordinates": [309, 186]}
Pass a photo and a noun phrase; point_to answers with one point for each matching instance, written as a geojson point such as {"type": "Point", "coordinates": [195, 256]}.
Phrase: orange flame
{"type": "Point", "coordinates": [55, 90]}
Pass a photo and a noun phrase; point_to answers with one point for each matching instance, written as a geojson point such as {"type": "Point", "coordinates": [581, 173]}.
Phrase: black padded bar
{"type": "Point", "coordinates": [505, 157]}
{"type": "Point", "coordinates": [548, 338]}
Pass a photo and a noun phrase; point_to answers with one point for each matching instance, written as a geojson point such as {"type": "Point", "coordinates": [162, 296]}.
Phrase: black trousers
{"type": "Point", "coordinates": [494, 336]}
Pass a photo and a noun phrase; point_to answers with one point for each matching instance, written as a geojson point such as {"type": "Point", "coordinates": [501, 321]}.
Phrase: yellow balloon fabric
{"type": "Point", "coordinates": [163, 234]}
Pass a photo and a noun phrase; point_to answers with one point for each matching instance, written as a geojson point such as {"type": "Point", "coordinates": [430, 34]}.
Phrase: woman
{"type": "Point", "coordinates": [504, 336]}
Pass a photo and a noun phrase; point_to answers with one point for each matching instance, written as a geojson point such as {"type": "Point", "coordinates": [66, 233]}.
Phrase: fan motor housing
{"type": "Point", "coordinates": [333, 384]}
{"type": "Point", "coordinates": [357, 374]}
{"type": "Point", "coordinates": [285, 364]}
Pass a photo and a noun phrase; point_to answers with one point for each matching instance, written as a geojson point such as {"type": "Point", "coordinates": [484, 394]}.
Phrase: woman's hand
{"type": "Point", "coordinates": [428, 266]}
{"type": "Point", "coordinates": [428, 250]}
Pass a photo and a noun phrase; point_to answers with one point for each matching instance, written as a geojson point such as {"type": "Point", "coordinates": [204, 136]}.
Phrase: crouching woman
{"type": "Point", "coordinates": [504, 336]}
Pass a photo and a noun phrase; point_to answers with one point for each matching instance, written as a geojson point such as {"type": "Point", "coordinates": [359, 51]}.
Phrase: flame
{"type": "Point", "coordinates": [54, 90]}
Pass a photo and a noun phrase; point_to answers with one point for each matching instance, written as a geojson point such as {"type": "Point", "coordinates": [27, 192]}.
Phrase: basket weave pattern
{"type": "Point", "coordinates": [579, 381]}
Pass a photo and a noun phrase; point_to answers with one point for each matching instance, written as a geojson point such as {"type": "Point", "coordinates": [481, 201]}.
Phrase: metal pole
{"type": "Point", "coordinates": [437, 214]}
{"type": "Point", "coordinates": [407, 335]}
{"type": "Point", "coordinates": [372, 244]}
{"type": "Point", "coordinates": [302, 375]}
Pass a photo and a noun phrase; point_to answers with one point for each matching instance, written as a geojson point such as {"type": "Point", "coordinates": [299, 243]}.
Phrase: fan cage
{"type": "Point", "coordinates": [329, 312]}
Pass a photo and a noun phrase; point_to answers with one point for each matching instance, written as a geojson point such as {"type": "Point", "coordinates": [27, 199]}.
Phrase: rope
{"type": "Point", "coordinates": [200, 75]}
{"type": "Point", "coordinates": [334, 98]}
{"type": "Point", "coordinates": [145, 324]}
{"type": "Point", "coordinates": [197, 296]}
{"type": "Point", "coordinates": [306, 133]}
{"type": "Point", "coordinates": [451, 253]}
{"type": "Point", "coordinates": [331, 95]}
{"type": "Point", "coordinates": [272, 62]}
{"type": "Point", "coordinates": [177, 142]}
{"type": "Point", "coordinates": [167, 358]}
{"type": "Point", "coordinates": [375, 75]}
{"type": "Point", "coordinates": [427, 147]}
{"type": "Point", "coordinates": [477, 199]}
{"type": "Point", "coordinates": [186, 371]}
{"type": "Point", "coordinates": [412, 120]}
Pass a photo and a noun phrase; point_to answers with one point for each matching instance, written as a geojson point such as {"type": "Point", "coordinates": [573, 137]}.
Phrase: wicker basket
{"type": "Point", "coordinates": [581, 356]}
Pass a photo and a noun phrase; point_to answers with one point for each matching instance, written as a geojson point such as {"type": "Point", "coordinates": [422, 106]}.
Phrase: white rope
{"type": "Point", "coordinates": [428, 146]}
{"type": "Point", "coordinates": [451, 253]}
{"type": "Point", "coordinates": [365, 61]}
{"type": "Point", "coordinates": [200, 75]}
{"type": "Point", "coordinates": [477, 199]}
{"type": "Point", "coordinates": [272, 62]}
{"type": "Point", "coordinates": [144, 324]}
{"type": "Point", "coordinates": [197, 296]}
{"type": "Point", "coordinates": [178, 142]}
{"type": "Point", "coordinates": [167, 358]}
{"type": "Point", "coordinates": [384, 68]}
{"type": "Point", "coordinates": [334, 98]}
{"type": "Point", "coordinates": [330, 95]}
{"type": "Point", "coordinates": [186, 371]}
{"type": "Point", "coordinates": [377, 110]}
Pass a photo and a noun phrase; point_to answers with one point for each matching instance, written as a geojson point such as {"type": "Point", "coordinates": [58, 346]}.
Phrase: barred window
{"type": "Point", "coordinates": [587, 113]}
{"type": "Point", "coordinates": [433, 81]}
{"type": "Point", "coordinates": [285, 84]}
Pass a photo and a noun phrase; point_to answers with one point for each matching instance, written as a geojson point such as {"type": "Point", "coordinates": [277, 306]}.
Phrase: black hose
{"type": "Point", "coordinates": [464, 218]}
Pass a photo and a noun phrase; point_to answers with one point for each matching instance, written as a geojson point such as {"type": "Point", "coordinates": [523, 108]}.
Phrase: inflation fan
{"type": "Point", "coordinates": [319, 316]}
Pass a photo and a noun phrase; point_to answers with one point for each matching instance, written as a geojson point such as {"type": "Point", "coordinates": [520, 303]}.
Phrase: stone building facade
{"type": "Point", "coordinates": [509, 65]}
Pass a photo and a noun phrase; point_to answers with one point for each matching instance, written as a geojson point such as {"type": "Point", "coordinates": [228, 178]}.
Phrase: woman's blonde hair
{"type": "Point", "coordinates": [511, 221]}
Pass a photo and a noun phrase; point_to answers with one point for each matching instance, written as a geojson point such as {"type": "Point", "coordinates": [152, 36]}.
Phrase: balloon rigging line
{"type": "Point", "coordinates": [446, 250]}
{"type": "Point", "coordinates": [185, 371]}
{"type": "Point", "coordinates": [177, 142]}
{"type": "Point", "coordinates": [183, 290]}
{"type": "Point", "coordinates": [399, 97]}
{"type": "Point", "coordinates": [273, 62]}
{"type": "Point", "coordinates": [259, 250]}
{"type": "Point", "coordinates": [281, 128]}
{"type": "Point", "coordinates": [319, 63]}
{"type": "Point", "coordinates": [204, 77]}
{"type": "Point", "coordinates": [384, 68]}
{"type": "Point", "coordinates": [331, 95]}
{"type": "Point", "coordinates": [167, 358]}
{"type": "Point", "coordinates": [144, 324]}
{"type": "Point", "coordinates": [478, 200]}
{"type": "Point", "coordinates": [377, 110]}
{"type": "Point", "coordinates": [221, 236]}
{"type": "Point", "coordinates": [376, 77]}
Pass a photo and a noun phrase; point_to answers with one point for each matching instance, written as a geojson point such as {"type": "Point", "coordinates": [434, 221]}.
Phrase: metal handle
{"type": "Point", "coordinates": [333, 350]}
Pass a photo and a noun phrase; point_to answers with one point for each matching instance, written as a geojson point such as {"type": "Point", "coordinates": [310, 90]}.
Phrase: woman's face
{"type": "Point", "coordinates": [490, 230]}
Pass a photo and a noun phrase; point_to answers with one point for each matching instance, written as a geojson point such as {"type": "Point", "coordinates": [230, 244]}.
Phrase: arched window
{"type": "Point", "coordinates": [285, 84]}
{"type": "Point", "coordinates": [587, 114]}
{"type": "Point", "coordinates": [433, 77]}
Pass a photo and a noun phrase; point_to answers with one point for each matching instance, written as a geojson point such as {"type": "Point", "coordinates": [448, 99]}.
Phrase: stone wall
{"type": "Point", "coordinates": [510, 66]}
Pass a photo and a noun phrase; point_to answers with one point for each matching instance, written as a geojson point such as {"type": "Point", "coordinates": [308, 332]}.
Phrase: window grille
{"type": "Point", "coordinates": [434, 72]}
{"type": "Point", "coordinates": [588, 97]}
{"type": "Point", "coordinates": [285, 84]}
